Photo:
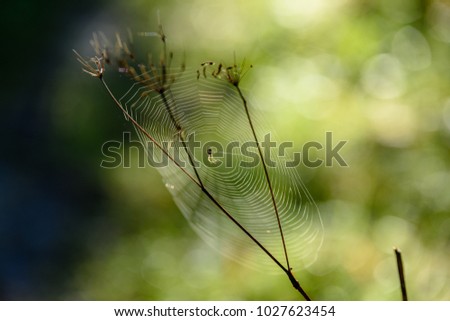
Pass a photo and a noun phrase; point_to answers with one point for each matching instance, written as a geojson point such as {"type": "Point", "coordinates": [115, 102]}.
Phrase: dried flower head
{"type": "Point", "coordinates": [94, 66]}
{"type": "Point", "coordinates": [233, 74]}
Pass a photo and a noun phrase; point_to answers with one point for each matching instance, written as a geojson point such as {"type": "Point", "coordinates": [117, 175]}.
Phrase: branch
{"type": "Point", "coordinates": [398, 256]}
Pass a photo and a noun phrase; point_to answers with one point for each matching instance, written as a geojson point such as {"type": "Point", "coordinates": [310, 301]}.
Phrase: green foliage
{"type": "Point", "coordinates": [374, 73]}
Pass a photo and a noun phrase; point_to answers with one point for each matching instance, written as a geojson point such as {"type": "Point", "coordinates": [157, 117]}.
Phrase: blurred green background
{"type": "Point", "coordinates": [374, 73]}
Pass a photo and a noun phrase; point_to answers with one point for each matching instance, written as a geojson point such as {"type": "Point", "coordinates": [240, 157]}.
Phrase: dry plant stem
{"type": "Point", "coordinates": [288, 272]}
{"type": "Point", "coordinates": [169, 110]}
{"type": "Point", "coordinates": [135, 123]}
{"type": "Point", "coordinates": [398, 256]}
{"type": "Point", "coordinates": [179, 128]}
{"type": "Point", "coordinates": [266, 173]}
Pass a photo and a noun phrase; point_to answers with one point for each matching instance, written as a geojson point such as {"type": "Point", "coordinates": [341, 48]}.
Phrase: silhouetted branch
{"type": "Point", "coordinates": [398, 256]}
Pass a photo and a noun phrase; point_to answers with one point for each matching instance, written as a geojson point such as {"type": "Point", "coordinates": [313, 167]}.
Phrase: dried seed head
{"type": "Point", "coordinates": [233, 74]}
{"type": "Point", "coordinates": [153, 76]}
{"type": "Point", "coordinates": [94, 67]}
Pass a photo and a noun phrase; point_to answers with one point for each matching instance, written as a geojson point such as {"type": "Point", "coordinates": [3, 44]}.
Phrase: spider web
{"type": "Point", "coordinates": [210, 111]}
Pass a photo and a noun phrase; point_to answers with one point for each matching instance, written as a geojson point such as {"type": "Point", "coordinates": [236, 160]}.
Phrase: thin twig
{"type": "Point", "coordinates": [288, 271]}
{"type": "Point", "coordinates": [161, 92]}
{"type": "Point", "coordinates": [180, 129]}
{"type": "Point", "coordinates": [135, 123]}
{"type": "Point", "coordinates": [266, 173]}
{"type": "Point", "coordinates": [398, 256]}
